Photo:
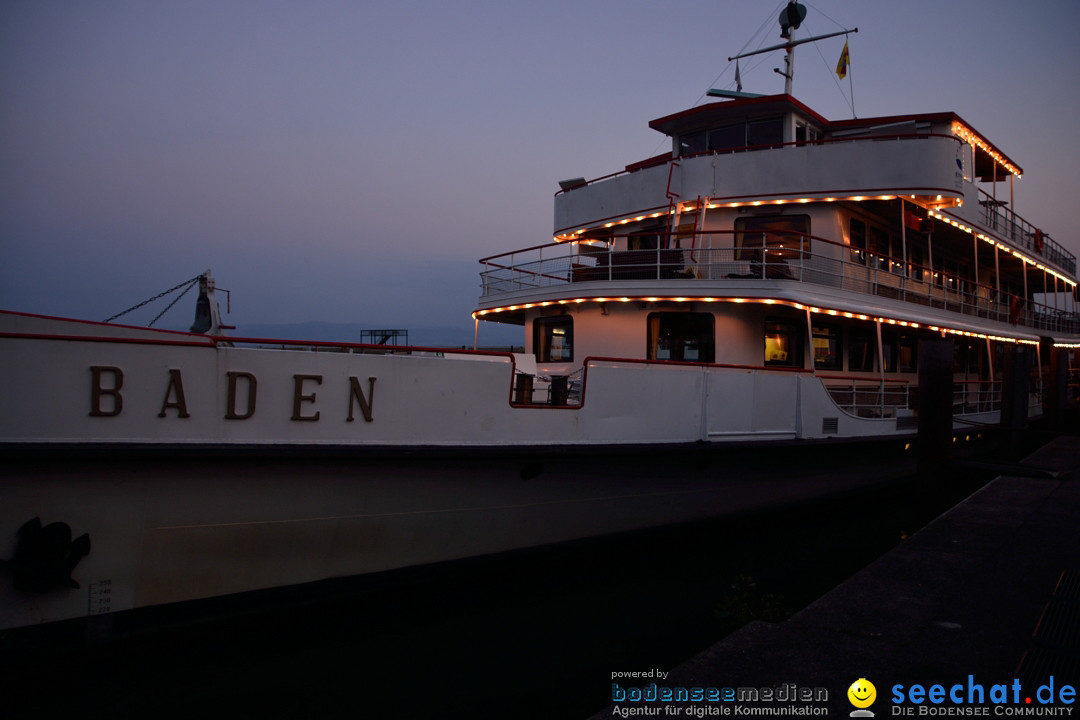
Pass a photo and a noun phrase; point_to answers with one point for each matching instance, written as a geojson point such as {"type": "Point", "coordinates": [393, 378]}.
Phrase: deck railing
{"type": "Point", "coordinates": [770, 256]}
{"type": "Point", "coordinates": [866, 397]}
{"type": "Point", "coordinates": [1023, 234]}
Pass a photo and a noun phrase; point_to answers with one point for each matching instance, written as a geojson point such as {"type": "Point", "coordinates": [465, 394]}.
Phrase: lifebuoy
{"type": "Point", "coordinates": [1039, 240]}
{"type": "Point", "coordinates": [1015, 305]}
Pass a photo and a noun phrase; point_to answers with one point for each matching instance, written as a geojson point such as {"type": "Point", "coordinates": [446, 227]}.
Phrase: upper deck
{"type": "Point", "coordinates": [928, 184]}
{"type": "Point", "coordinates": [775, 149]}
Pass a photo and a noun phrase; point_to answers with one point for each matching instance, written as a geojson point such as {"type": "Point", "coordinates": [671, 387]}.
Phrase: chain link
{"type": "Point", "coordinates": [190, 283]}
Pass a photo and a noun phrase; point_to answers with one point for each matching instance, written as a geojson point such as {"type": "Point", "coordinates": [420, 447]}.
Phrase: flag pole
{"type": "Point", "coordinates": [851, 85]}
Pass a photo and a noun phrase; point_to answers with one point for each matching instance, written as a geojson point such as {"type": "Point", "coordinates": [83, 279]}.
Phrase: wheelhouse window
{"type": "Point", "coordinates": [783, 346]}
{"type": "Point", "coordinates": [553, 339]}
{"type": "Point", "coordinates": [765, 132]}
{"type": "Point", "coordinates": [805, 132]}
{"type": "Point", "coordinates": [692, 144]}
{"type": "Point", "coordinates": [827, 354]}
{"type": "Point", "coordinates": [727, 137]}
{"type": "Point", "coordinates": [779, 237]}
{"type": "Point", "coordinates": [687, 337]}
{"type": "Point", "coordinates": [756, 134]}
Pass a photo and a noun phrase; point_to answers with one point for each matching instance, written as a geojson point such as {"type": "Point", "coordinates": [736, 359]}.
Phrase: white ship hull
{"type": "Point", "coordinates": [165, 389]}
{"type": "Point", "coordinates": [168, 529]}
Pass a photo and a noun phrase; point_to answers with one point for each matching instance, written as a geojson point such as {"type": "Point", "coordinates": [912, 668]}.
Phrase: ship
{"type": "Point", "coordinates": [774, 282]}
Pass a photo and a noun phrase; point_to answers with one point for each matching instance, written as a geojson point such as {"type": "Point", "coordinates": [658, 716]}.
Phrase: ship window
{"type": "Point", "coordinates": [687, 337]}
{"type": "Point", "coordinates": [857, 237]}
{"type": "Point", "coordinates": [897, 265]}
{"type": "Point", "coordinates": [805, 133]}
{"type": "Point", "coordinates": [553, 339]}
{"type": "Point", "coordinates": [827, 355]}
{"type": "Point", "coordinates": [648, 239]}
{"type": "Point", "coordinates": [692, 143]}
{"type": "Point", "coordinates": [888, 350]}
{"type": "Point", "coordinates": [966, 358]}
{"type": "Point", "coordinates": [879, 248]}
{"type": "Point", "coordinates": [861, 351]}
{"type": "Point", "coordinates": [908, 351]}
{"type": "Point", "coordinates": [916, 262]}
{"type": "Point", "coordinates": [782, 343]}
{"type": "Point", "coordinates": [765, 132]}
{"type": "Point", "coordinates": [783, 236]}
{"type": "Point", "coordinates": [728, 137]}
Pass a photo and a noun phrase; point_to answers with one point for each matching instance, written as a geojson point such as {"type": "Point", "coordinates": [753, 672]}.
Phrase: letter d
{"type": "Point", "coordinates": [650, 693]}
{"type": "Point", "coordinates": [1048, 688]}
{"type": "Point", "coordinates": [617, 693]}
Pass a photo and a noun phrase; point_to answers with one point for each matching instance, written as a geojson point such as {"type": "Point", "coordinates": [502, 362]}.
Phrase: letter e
{"type": "Point", "coordinates": [299, 397]}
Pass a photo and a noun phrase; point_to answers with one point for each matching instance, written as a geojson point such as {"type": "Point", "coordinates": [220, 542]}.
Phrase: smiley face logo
{"type": "Point", "coordinates": [862, 693]}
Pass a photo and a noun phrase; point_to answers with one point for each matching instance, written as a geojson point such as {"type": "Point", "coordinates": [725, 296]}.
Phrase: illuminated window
{"type": "Point", "coordinates": [827, 354]}
{"type": "Point", "coordinates": [681, 336]}
{"type": "Point", "coordinates": [782, 343]}
{"type": "Point", "coordinates": [782, 237]}
{"type": "Point", "coordinates": [553, 339]}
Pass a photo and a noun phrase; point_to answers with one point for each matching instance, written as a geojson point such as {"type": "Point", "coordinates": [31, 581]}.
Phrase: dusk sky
{"type": "Point", "coordinates": [349, 162]}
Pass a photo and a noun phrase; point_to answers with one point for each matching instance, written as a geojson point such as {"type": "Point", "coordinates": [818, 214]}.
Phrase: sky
{"type": "Point", "coordinates": [350, 161]}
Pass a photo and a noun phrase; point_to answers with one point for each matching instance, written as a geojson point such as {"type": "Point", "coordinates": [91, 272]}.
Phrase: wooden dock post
{"type": "Point", "coordinates": [935, 423]}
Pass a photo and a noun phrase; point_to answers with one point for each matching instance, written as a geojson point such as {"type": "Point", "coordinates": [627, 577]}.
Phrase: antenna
{"type": "Point", "coordinates": [791, 18]}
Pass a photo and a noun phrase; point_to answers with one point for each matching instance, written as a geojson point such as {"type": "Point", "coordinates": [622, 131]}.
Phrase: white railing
{"type": "Point", "coordinates": [865, 397]}
{"type": "Point", "coordinates": [855, 270]}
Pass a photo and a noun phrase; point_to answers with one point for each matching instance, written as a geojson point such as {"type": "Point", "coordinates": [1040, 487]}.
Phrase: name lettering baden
{"type": "Point", "coordinates": [107, 399]}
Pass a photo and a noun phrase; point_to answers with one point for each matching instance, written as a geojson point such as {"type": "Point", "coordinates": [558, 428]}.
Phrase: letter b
{"type": "Point", "coordinates": [617, 693]}
{"type": "Point", "coordinates": [97, 391]}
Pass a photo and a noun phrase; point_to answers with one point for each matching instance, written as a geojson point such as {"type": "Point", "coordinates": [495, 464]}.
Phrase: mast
{"type": "Point", "coordinates": [790, 19]}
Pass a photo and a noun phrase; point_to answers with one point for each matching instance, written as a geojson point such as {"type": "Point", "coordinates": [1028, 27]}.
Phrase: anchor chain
{"type": "Point", "coordinates": [190, 284]}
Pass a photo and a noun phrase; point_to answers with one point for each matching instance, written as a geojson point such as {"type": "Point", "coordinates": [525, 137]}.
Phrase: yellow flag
{"type": "Point", "coordinates": [841, 67]}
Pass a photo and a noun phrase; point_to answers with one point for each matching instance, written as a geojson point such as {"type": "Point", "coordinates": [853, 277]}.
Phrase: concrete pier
{"type": "Point", "coordinates": [965, 601]}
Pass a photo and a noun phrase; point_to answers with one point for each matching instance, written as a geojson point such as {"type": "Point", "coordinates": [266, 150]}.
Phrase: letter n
{"type": "Point", "coordinates": [356, 393]}
{"type": "Point", "coordinates": [176, 385]}
{"type": "Point", "coordinates": [97, 391]}
{"type": "Point", "coordinates": [230, 409]}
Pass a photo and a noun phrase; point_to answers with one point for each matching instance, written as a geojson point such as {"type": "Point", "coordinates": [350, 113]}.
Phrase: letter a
{"type": "Point", "coordinates": [176, 384]}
